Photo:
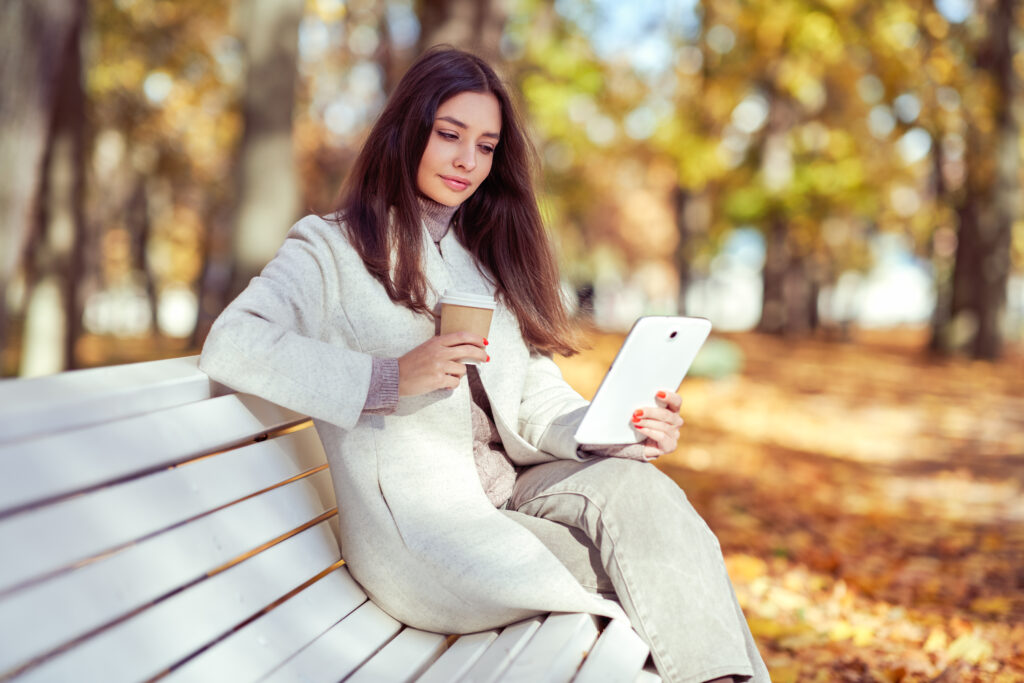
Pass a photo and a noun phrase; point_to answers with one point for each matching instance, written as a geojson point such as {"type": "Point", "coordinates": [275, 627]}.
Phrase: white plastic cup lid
{"type": "Point", "coordinates": [468, 299]}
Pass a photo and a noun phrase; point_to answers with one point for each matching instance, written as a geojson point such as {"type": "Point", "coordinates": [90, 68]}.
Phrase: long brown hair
{"type": "Point", "coordinates": [499, 224]}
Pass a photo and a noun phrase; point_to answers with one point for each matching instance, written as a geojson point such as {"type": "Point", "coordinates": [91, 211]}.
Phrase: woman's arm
{"type": "Point", "coordinates": [268, 341]}
{"type": "Point", "coordinates": [550, 410]}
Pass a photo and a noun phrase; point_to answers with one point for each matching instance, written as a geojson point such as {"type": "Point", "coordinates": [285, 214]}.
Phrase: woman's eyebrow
{"type": "Point", "coordinates": [460, 124]}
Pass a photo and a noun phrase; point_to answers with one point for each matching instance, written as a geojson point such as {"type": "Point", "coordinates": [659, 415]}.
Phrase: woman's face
{"type": "Point", "coordinates": [460, 148]}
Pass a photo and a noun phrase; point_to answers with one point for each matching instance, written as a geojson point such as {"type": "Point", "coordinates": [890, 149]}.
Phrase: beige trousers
{"type": "Point", "coordinates": [622, 526]}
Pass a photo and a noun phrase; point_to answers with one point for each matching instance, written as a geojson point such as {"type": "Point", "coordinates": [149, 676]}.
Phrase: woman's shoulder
{"type": "Point", "coordinates": [329, 225]}
{"type": "Point", "coordinates": [327, 231]}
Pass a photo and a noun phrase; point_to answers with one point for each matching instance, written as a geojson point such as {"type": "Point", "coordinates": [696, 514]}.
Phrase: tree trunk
{"type": "Point", "coordinates": [268, 185]}
{"type": "Point", "coordinates": [776, 262]}
{"type": "Point", "coordinates": [474, 25]}
{"type": "Point", "coordinates": [941, 315]}
{"type": "Point", "coordinates": [215, 280]}
{"type": "Point", "coordinates": [789, 298]}
{"type": "Point", "coordinates": [997, 223]}
{"type": "Point", "coordinates": [991, 204]}
{"type": "Point", "coordinates": [34, 36]}
{"type": "Point", "coordinates": [693, 221]}
{"type": "Point", "coordinates": [136, 219]}
{"type": "Point", "coordinates": [684, 248]}
{"type": "Point", "coordinates": [980, 278]}
{"type": "Point", "coordinates": [54, 312]}
{"type": "Point", "coordinates": [71, 127]}
{"type": "Point", "coordinates": [53, 315]}
{"type": "Point", "coordinates": [789, 294]}
{"type": "Point", "coordinates": [799, 294]}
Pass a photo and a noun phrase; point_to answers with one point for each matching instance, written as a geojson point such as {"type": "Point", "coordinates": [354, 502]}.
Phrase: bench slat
{"type": "Point", "coordinates": [554, 653]}
{"type": "Point", "coordinates": [173, 629]}
{"type": "Point", "coordinates": [70, 400]}
{"type": "Point", "coordinates": [503, 650]}
{"type": "Point", "coordinates": [44, 616]}
{"type": "Point", "coordinates": [340, 650]}
{"type": "Point", "coordinates": [61, 464]}
{"type": "Point", "coordinates": [458, 658]}
{"type": "Point", "coordinates": [402, 659]}
{"type": "Point", "coordinates": [58, 535]}
{"type": "Point", "coordinates": [254, 650]}
{"type": "Point", "coordinates": [618, 655]}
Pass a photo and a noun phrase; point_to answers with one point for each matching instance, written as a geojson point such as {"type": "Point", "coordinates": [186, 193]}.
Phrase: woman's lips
{"type": "Point", "coordinates": [457, 184]}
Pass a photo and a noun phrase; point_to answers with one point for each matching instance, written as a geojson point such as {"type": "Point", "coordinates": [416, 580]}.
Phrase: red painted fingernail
{"type": "Point", "coordinates": [661, 394]}
{"type": "Point", "coordinates": [486, 342]}
{"type": "Point", "coordinates": [638, 411]}
{"type": "Point", "coordinates": [636, 418]}
{"type": "Point", "coordinates": [488, 359]}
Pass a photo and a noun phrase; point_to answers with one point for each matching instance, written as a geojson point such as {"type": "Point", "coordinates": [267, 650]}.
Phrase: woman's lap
{"type": "Point", "coordinates": [663, 560]}
{"type": "Point", "coordinates": [572, 547]}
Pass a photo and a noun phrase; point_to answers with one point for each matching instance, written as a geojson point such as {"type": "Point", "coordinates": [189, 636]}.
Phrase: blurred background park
{"type": "Point", "coordinates": [835, 184]}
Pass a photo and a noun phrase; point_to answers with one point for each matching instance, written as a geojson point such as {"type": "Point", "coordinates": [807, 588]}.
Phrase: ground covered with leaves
{"type": "Point", "coordinates": [868, 500]}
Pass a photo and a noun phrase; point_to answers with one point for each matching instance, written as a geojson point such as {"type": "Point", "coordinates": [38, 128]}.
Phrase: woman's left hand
{"type": "Point", "coordinates": [660, 424]}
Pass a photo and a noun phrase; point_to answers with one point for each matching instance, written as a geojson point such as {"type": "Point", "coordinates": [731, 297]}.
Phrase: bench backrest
{"type": "Point", "coordinates": [147, 515]}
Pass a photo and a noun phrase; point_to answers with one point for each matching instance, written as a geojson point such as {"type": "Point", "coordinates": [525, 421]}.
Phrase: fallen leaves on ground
{"type": "Point", "coordinates": [869, 504]}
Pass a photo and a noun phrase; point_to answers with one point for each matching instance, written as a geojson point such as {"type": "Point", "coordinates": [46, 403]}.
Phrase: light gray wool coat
{"type": "Point", "coordinates": [417, 530]}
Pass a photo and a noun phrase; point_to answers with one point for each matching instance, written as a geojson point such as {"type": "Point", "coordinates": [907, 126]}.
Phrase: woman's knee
{"type": "Point", "coordinates": [610, 483]}
{"type": "Point", "coordinates": [642, 493]}
{"type": "Point", "coordinates": [619, 478]}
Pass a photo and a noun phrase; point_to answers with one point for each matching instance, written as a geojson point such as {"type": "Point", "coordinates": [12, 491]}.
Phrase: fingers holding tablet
{"type": "Point", "coordinates": [658, 442]}
{"type": "Point", "coordinates": [660, 424]}
{"type": "Point", "coordinates": [669, 399]}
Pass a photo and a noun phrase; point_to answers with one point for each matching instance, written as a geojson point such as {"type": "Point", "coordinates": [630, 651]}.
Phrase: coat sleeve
{"type": "Point", "coordinates": [550, 410]}
{"type": "Point", "coordinates": [270, 340]}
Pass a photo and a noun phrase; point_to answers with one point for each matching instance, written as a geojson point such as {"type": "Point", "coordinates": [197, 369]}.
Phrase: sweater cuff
{"type": "Point", "coordinates": [382, 398]}
{"type": "Point", "coordinates": [629, 451]}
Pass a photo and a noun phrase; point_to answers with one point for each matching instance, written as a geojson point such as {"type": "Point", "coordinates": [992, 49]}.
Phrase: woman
{"type": "Point", "coordinates": [466, 502]}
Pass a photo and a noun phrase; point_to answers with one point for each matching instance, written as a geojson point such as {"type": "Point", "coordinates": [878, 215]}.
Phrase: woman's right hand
{"type": "Point", "coordinates": [434, 364]}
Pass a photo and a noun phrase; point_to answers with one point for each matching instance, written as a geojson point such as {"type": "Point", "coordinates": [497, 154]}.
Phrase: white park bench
{"type": "Point", "coordinates": [155, 525]}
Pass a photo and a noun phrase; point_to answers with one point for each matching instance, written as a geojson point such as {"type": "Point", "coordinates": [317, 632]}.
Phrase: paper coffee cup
{"type": "Point", "coordinates": [466, 312]}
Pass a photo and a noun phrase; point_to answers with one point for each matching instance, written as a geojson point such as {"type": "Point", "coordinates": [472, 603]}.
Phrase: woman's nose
{"type": "Point", "coordinates": [466, 159]}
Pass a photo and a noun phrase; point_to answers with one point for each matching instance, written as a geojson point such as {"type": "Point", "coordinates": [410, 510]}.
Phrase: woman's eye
{"type": "Point", "coordinates": [486, 149]}
{"type": "Point", "coordinates": [447, 136]}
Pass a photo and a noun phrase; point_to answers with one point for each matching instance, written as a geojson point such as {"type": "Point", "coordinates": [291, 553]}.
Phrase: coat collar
{"type": "Point", "coordinates": [452, 267]}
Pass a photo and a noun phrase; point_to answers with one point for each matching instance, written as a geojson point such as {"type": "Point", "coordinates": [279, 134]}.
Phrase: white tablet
{"type": "Point", "coordinates": [656, 355]}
